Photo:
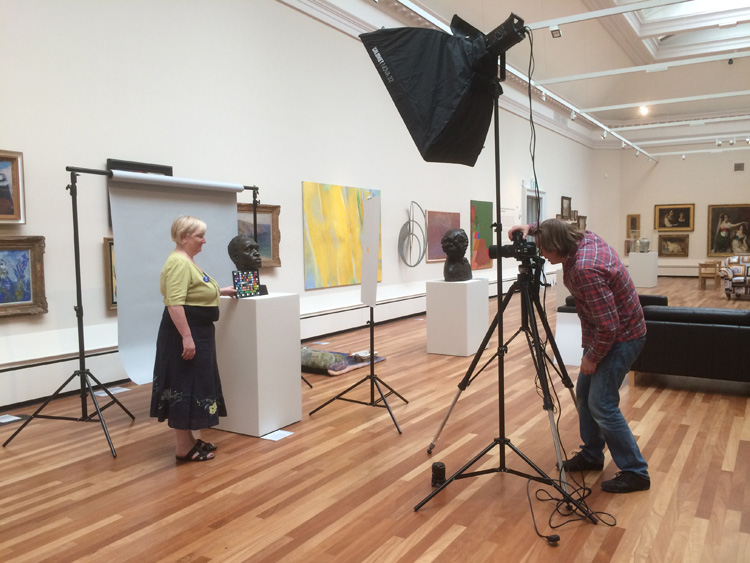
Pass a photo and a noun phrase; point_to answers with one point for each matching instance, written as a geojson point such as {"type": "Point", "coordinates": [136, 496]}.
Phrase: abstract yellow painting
{"type": "Point", "coordinates": [332, 234]}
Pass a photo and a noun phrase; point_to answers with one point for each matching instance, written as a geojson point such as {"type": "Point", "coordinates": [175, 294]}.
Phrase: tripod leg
{"type": "Point", "coordinates": [376, 379]}
{"type": "Point", "coordinates": [332, 399]}
{"type": "Point", "coordinates": [99, 412]}
{"type": "Point", "coordinates": [110, 395]}
{"type": "Point", "coordinates": [385, 401]}
{"type": "Point", "coordinates": [44, 404]}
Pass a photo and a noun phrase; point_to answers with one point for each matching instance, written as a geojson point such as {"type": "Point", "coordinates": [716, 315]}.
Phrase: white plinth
{"type": "Point", "coordinates": [258, 349]}
{"type": "Point", "coordinates": [568, 338]}
{"type": "Point", "coordinates": [457, 316]}
{"type": "Point", "coordinates": [643, 268]}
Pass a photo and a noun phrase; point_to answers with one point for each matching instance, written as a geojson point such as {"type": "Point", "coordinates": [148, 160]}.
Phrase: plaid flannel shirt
{"type": "Point", "coordinates": [606, 299]}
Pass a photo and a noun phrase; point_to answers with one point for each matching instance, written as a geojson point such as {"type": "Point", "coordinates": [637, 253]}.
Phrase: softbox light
{"type": "Point", "coordinates": [443, 85]}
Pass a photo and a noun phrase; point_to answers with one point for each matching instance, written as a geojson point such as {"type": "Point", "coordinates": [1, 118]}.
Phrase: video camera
{"type": "Point", "coordinates": [521, 248]}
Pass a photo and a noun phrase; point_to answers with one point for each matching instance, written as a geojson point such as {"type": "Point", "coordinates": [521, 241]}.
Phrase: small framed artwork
{"type": "Point", "coordinates": [110, 278]}
{"type": "Point", "coordinates": [574, 215]}
{"type": "Point", "coordinates": [565, 207]}
{"type": "Point", "coordinates": [633, 226]}
{"type": "Point", "coordinates": [12, 197]}
{"type": "Point", "coordinates": [728, 226]}
{"type": "Point", "coordinates": [22, 276]}
{"type": "Point", "coordinates": [269, 234]}
{"type": "Point", "coordinates": [674, 217]}
{"type": "Point", "coordinates": [582, 222]}
{"type": "Point", "coordinates": [481, 234]}
{"type": "Point", "coordinates": [674, 245]}
{"type": "Point", "coordinates": [438, 222]}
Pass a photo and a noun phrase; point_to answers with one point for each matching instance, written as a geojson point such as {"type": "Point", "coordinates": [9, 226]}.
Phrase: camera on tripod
{"type": "Point", "coordinates": [519, 249]}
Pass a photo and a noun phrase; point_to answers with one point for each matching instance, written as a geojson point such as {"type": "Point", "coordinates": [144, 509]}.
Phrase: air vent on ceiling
{"type": "Point", "coordinates": [739, 166]}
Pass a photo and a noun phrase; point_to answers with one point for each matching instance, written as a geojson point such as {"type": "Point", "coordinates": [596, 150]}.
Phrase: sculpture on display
{"type": "Point", "coordinates": [245, 253]}
{"type": "Point", "coordinates": [457, 267]}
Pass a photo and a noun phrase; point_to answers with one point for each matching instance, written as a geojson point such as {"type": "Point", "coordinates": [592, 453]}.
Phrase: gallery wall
{"type": "Point", "coordinates": [233, 91]}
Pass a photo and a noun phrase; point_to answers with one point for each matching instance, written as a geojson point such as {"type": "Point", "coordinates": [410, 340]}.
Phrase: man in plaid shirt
{"type": "Point", "coordinates": [614, 332]}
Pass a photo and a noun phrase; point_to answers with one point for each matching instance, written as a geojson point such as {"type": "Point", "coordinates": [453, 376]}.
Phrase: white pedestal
{"type": "Point", "coordinates": [568, 338]}
{"type": "Point", "coordinates": [258, 350]}
{"type": "Point", "coordinates": [561, 292]}
{"type": "Point", "coordinates": [458, 316]}
{"type": "Point", "coordinates": [643, 268]}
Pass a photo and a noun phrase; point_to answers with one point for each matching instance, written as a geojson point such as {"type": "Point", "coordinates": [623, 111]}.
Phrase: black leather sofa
{"type": "Point", "coordinates": [696, 342]}
{"type": "Point", "coordinates": [690, 341]}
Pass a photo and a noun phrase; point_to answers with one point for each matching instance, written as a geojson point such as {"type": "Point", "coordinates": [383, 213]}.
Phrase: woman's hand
{"type": "Point", "coordinates": [188, 347]}
{"type": "Point", "coordinates": [229, 291]}
{"type": "Point", "coordinates": [523, 228]}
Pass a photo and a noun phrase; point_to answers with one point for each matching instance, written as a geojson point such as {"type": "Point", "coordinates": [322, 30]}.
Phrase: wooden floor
{"type": "Point", "coordinates": [344, 486]}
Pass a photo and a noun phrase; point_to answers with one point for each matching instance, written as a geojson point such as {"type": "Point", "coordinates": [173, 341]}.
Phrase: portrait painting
{"type": "Point", "coordinates": [565, 207]}
{"type": "Point", "coordinates": [633, 226]}
{"type": "Point", "coordinates": [12, 203]}
{"type": "Point", "coordinates": [678, 217]}
{"type": "Point", "coordinates": [727, 229]}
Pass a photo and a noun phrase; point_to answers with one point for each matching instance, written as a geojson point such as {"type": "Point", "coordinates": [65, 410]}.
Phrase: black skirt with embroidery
{"type": "Point", "coordinates": [187, 393]}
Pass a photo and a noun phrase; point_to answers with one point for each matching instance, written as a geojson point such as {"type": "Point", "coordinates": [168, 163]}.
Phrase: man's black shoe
{"type": "Point", "coordinates": [626, 482]}
{"type": "Point", "coordinates": [580, 463]}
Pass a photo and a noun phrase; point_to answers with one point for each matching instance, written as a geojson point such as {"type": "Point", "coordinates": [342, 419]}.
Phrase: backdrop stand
{"type": "Point", "coordinates": [84, 376]}
{"type": "Point", "coordinates": [375, 383]}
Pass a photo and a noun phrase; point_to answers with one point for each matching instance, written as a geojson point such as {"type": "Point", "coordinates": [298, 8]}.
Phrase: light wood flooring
{"type": "Point", "coordinates": [344, 486]}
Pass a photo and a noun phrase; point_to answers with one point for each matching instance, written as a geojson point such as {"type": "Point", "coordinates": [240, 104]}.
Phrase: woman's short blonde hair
{"type": "Point", "coordinates": [186, 225]}
{"type": "Point", "coordinates": [558, 236]}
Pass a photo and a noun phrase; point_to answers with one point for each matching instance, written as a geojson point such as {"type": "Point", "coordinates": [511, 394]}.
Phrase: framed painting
{"type": "Point", "coordinates": [438, 222]}
{"type": "Point", "coordinates": [12, 196]}
{"type": "Point", "coordinates": [674, 217]}
{"type": "Point", "coordinates": [565, 207]}
{"type": "Point", "coordinates": [110, 278]}
{"type": "Point", "coordinates": [269, 234]}
{"type": "Point", "coordinates": [333, 219]}
{"type": "Point", "coordinates": [674, 245]}
{"type": "Point", "coordinates": [22, 276]}
{"type": "Point", "coordinates": [574, 215]}
{"type": "Point", "coordinates": [582, 222]}
{"type": "Point", "coordinates": [481, 234]}
{"type": "Point", "coordinates": [633, 226]}
{"type": "Point", "coordinates": [727, 229]}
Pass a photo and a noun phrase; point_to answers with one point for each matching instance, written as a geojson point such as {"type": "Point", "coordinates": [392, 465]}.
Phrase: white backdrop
{"type": "Point", "coordinates": [143, 209]}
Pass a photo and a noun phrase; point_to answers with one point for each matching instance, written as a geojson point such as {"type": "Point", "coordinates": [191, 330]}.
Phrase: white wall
{"type": "Point", "coordinates": [236, 91]}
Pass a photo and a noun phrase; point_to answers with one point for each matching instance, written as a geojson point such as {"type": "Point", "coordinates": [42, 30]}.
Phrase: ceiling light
{"type": "Point", "coordinates": [643, 110]}
{"type": "Point", "coordinates": [604, 134]}
{"type": "Point", "coordinates": [718, 143]}
{"type": "Point", "coordinates": [544, 97]}
{"type": "Point", "coordinates": [623, 145]}
{"type": "Point", "coordinates": [683, 156]}
{"type": "Point", "coordinates": [747, 140]}
{"type": "Point", "coordinates": [555, 31]}
{"type": "Point", "coordinates": [731, 142]}
{"type": "Point", "coordinates": [637, 153]}
{"type": "Point", "coordinates": [572, 115]}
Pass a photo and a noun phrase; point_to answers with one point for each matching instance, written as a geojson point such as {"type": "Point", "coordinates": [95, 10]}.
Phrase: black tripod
{"type": "Point", "coordinates": [375, 383]}
{"type": "Point", "coordinates": [527, 284]}
{"type": "Point", "coordinates": [82, 373]}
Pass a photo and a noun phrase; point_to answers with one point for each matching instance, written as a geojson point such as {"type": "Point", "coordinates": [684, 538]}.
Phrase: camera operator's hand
{"type": "Point", "coordinates": [523, 228]}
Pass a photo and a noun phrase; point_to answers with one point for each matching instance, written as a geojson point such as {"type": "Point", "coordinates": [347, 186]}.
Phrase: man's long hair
{"type": "Point", "coordinates": [558, 236]}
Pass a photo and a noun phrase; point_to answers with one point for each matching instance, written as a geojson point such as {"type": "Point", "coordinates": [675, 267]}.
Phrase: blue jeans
{"type": "Point", "coordinates": [599, 417]}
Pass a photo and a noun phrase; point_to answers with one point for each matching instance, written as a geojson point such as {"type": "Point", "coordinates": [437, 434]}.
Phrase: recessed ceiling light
{"type": "Point", "coordinates": [643, 110]}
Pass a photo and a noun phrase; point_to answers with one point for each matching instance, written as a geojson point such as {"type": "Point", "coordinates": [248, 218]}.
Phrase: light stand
{"type": "Point", "coordinates": [375, 383]}
{"type": "Point", "coordinates": [82, 373]}
{"type": "Point", "coordinates": [530, 300]}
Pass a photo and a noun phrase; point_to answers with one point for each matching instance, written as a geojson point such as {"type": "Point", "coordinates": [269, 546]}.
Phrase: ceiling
{"type": "Point", "coordinates": [687, 61]}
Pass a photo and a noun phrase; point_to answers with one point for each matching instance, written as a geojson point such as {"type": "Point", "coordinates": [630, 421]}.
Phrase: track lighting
{"type": "Point", "coordinates": [555, 31]}
{"type": "Point", "coordinates": [637, 153]}
{"type": "Point", "coordinates": [604, 134]}
{"type": "Point", "coordinates": [718, 143]}
{"type": "Point", "coordinates": [731, 142]}
{"type": "Point", "coordinates": [623, 145]}
{"type": "Point", "coordinates": [544, 97]}
{"type": "Point", "coordinates": [572, 115]}
{"type": "Point", "coordinates": [683, 156]}
{"type": "Point", "coordinates": [747, 140]}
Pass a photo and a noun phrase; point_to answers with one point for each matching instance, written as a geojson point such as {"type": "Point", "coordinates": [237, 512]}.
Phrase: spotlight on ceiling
{"type": "Point", "coordinates": [747, 140]}
{"type": "Point", "coordinates": [731, 142]}
{"type": "Point", "coordinates": [643, 110]}
{"type": "Point", "coordinates": [718, 143]}
{"type": "Point", "coordinates": [622, 145]}
{"type": "Point", "coordinates": [544, 97]}
{"type": "Point", "coordinates": [683, 156]}
{"type": "Point", "coordinates": [604, 134]}
{"type": "Point", "coordinates": [637, 153]}
{"type": "Point", "coordinates": [555, 31]}
{"type": "Point", "coordinates": [572, 115]}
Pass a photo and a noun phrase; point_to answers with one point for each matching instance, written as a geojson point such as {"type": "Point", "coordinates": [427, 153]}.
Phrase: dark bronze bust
{"type": "Point", "coordinates": [245, 253]}
{"type": "Point", "coordinates": [457, 267]}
